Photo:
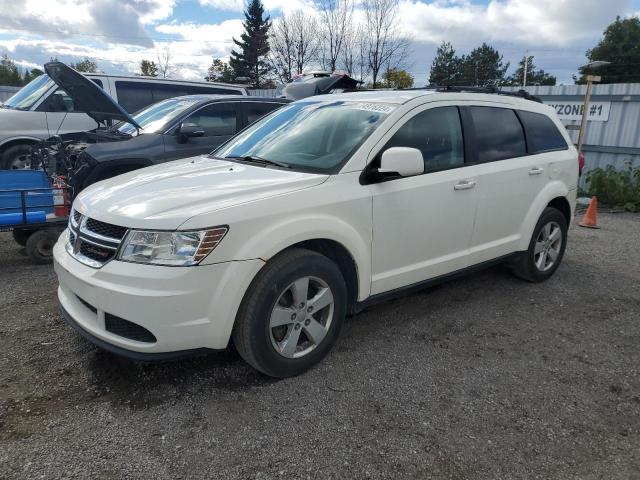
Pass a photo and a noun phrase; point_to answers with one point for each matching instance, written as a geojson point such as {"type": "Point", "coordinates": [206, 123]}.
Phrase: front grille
{"type": "Point", "coordinates": [124, 328]}
{"type": "Point", "coordinates": [93, 242]}
{"type": "Point", "coordinates": [105, 229]}
{"type": "Point", "coordinates": [96, 253]}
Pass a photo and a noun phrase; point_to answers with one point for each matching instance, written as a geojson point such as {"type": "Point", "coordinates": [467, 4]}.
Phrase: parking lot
{"type": "Point", "coordinates": [483, 377]}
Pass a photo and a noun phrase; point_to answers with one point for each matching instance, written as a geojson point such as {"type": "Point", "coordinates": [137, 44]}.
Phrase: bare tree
{"type": "Point", "coordinates": [164, 56]}
{"type": "Point", "coordinates": [387, 47]}
{"type": "Point", "coordinates": [355, 54]}
{"type": "Point", "coordinates": [295, 41]}
{"type": "Point", "coordinates": [336, 17]}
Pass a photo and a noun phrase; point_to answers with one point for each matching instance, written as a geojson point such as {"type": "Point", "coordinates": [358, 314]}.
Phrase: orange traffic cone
{"type": "Point", "coordinates": [590, 217]}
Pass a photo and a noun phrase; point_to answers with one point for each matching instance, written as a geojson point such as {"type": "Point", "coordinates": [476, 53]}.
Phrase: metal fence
{"type": "Point", "coordinates": [7, 92]}
{"type": "Point", "coordinates": [612, 135]}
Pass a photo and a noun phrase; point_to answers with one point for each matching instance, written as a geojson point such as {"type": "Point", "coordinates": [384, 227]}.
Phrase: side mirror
{"type": "Point", "coordinates": [190, 130]}
{"type": "Point", "coordinates": [403, 161]}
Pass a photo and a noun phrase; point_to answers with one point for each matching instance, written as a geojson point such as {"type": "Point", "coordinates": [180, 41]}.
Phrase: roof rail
{"type": "Point", "coordinates": [489, 89]}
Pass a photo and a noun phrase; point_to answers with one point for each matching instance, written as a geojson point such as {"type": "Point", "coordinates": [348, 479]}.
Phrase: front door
{"type": "Point", "coordinates": [422, 225]}
{"type": "Point", "coordinates": [219, 122]}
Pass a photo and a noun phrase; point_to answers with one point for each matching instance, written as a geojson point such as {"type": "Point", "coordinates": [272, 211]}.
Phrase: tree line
{"type": "Point", "coordinates": [369, 48]}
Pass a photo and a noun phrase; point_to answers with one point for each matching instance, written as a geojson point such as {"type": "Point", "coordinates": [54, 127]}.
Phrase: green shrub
{"type": "Point", "coordinates": [616, 188]}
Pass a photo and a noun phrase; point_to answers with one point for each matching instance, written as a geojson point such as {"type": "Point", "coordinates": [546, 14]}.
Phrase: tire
{"type": "Point", "coordinates": [17, 157]}
{"type": "Point", "coordinates": [40, 246]}
{"type": "Point", "coordinates": [275, 311]}
{"type": "Point", "coordinates": [538, 264]}
{"type": "Point", "coordinates": [21, 236]}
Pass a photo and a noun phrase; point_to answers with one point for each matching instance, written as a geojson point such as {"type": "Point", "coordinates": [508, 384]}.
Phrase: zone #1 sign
{"type": "Point", "coordinates": [598, 111]}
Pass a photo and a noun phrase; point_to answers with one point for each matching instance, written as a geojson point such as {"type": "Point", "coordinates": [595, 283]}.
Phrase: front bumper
{"type": "Point", "coordinates": [185, 308]}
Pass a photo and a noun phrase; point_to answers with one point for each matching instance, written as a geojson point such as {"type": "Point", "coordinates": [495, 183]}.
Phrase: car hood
{"type": "Point", "coordinates": [87, 96]}
{"type": "Point", "coordinates": [167, 195]}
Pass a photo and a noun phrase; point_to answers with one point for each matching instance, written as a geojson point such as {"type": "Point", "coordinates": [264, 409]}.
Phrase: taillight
{"type": "Point", "coordinates": [580, 163]}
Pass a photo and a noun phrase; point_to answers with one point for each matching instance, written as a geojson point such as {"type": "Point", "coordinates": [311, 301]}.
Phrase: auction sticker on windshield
{"type": "Point", "coordinates": [375, 107]}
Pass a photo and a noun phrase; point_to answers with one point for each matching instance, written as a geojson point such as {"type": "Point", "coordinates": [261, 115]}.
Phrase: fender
{"type": "Point", "coordinates": [552, 190]}
{"type": "Point", "coordinates": [279, 236]}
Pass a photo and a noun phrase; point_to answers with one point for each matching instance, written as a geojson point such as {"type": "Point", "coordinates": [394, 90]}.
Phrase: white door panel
{"type": "Point", "coordinates": [506, 190]}
{"type": "Point", "coordinates": [422, 227]}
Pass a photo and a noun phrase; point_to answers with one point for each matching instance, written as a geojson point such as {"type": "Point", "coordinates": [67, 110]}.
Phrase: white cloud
{"type": "Point", "coordinates": [527, 22]}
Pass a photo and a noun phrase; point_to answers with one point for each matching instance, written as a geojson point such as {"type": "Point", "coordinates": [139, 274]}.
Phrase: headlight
{"type": "Point", "coordinates": [170, 248]}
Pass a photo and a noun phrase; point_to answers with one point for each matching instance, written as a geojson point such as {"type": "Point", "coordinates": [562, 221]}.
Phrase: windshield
{"type": "Point", "coordinates": [156, 117]}
{"type": "Point", "coordinates": [314, 136]}
{"type": "Point", "coordinates": [28, 95]}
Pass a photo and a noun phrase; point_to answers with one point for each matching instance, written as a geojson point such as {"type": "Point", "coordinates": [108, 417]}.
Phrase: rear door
{"type": "Point", "coordinates": [422, 225]}
{"type": "Point", "coordinates": [218, 120]}
{"type": "Point", "coordinates": [509, 179]}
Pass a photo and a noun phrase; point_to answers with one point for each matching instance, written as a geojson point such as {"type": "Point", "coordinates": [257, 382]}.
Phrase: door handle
{"type": "Point", "coordinates": [464, 185]}
{"type": "Point", "coordinates": [536, 171]}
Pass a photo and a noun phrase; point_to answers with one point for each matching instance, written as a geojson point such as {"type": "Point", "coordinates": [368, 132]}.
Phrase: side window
{"type": "Point", "coordinates": [499, 133]}
{"type": "Point", "coordinates": [133, 95]}
{"type": "Point", "coordinates": [217, 119]}
{"type": "Point", "coordinates": [542, 133]}
{"type": "Point", "coordinates": [257, 110]}
{"type": "Point", "coordinates": [162, 92]}
{"type": "Point", "coordinates": [58, 101]}
{"type": "Point", "coordinates": [437, 133]}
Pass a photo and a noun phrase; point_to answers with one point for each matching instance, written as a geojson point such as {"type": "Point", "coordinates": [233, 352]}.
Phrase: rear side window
{"type": "Point", "coordinates": [257, 110]}
{"type": "Point", "coordinates": [499, 134]}
{"type": "Point", "coordinates": [133, 96]}
{"type": "Point", "coordinates": [542, 133]}
{"type": "Point", "coordinates": [217, 119]}
{"type": "Point", "coordinates": [437, 133]}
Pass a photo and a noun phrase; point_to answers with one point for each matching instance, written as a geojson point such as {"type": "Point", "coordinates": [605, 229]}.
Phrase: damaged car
{"type": "Point", "coordinates": [171, 129]}
{"type": "Point", "coordinates": [43, 108]}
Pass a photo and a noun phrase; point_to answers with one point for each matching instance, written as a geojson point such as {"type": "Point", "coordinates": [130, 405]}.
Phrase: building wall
{"type": "Point", "coordinates": [615, 141]}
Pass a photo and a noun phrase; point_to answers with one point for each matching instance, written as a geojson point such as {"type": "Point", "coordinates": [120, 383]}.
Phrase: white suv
{"type": "Point", "coordinates": [321, 208]}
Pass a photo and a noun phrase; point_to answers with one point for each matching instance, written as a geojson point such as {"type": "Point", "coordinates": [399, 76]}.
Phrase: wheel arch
{"type": "Point", "coordinates": [18, 141]}
{"type": "Point", "coordinates": [102, 170]}
{"type": "Point", "coordinates": [553, 195]}
{"type": "Point", "coordinates": [340, 255]}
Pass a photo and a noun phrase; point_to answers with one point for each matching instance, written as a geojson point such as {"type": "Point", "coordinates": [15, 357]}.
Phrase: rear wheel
{"type": "Point", "coordinates": [291, 314]}
{"type": "Point", "coordinates": [17, 157]}
{"type": "Point", "coordinates": [40, 244]}
{"type": "Point", "coordinates": [546, 248]}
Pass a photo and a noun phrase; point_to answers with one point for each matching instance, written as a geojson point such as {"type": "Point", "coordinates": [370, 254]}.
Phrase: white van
{"type": "Point", "coordinates": [321, 208]}
{"type": "Point", "coordinates": [41, 109]}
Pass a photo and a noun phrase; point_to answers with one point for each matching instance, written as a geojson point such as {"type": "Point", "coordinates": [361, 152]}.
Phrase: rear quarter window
{"type": "Point", "coordinates": [499, 134]}
{"type": "Point", "coordinates": [542, 133]}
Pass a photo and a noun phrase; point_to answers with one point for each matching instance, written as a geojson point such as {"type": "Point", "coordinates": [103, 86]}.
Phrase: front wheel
{"type": "Point", "coordinates": [291, 314]}
{"type": "Point", "coordinates": [546, 248]}
{"type": "Point", "coordinates": [17, 157]}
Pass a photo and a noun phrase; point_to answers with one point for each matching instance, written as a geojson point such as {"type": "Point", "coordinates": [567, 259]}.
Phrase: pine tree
{"type": "Point", "coordinates": [445, 66]}
{"type": "Point", "coordinates": [250, 61]}
{"type": "Point", "coordinates": [483, 67]}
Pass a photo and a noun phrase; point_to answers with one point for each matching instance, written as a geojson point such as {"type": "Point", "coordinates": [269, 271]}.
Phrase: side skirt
{"type": "Point", "coordinates": [416, 287]}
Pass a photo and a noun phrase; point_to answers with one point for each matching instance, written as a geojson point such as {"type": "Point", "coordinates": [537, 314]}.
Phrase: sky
{"type": "Point", "coordinates": [117, 34]}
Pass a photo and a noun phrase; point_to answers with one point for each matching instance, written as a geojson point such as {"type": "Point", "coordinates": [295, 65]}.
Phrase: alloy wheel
{"type": "Point", "coordinates": [548, 246]}
{"type": "Point", "coordinates": [301, 317]}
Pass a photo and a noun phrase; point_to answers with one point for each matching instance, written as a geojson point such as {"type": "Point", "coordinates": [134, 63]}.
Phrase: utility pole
{"type": "Point", "coordinates": [526, 64]}
{"type": "Point", "coordinates": [585, 109]}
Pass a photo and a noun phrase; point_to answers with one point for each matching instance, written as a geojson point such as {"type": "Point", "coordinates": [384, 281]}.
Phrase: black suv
{"type": "Point", "coordinates": [174, 128]}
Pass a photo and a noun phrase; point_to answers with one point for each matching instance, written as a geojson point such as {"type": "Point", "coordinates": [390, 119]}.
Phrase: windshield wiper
{"type": "Point", "coordinates": [260, 161]}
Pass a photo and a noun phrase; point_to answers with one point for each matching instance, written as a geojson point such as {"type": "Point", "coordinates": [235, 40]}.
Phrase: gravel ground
{"type": "Point", "coordinates": [483, 377]}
